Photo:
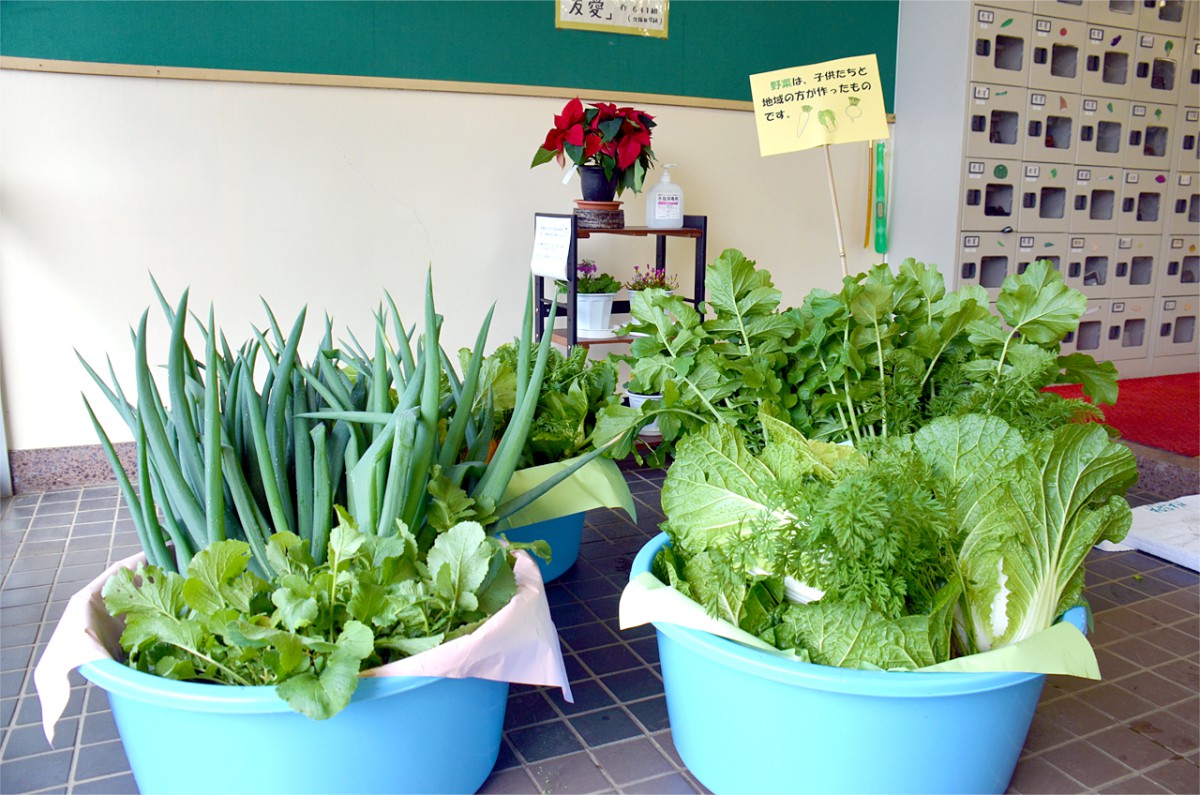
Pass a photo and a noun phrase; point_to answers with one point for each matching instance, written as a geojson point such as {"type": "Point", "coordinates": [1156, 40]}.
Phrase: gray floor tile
{"type": "Point", "coordinates": [575, 773]}
{"type": "Point", "coordinates": [102, 759]}
{"type": "Point", "coordinates": [37, 772]}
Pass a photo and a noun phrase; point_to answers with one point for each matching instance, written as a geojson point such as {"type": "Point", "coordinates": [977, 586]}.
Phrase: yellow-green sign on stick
{"type": "Point", "coordinates": [834, 102]}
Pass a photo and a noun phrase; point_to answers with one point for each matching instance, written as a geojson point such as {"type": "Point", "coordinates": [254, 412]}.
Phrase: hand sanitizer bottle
{"type": "Point", "coordinates": [664, 203]}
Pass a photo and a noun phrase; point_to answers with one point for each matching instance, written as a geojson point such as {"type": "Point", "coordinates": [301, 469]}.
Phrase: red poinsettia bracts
{"type": "Point", "coordinates": [616, 139]}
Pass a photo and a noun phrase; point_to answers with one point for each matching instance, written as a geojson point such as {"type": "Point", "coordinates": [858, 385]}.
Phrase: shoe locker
{"type": "Point", "coordinates": [1080, 144]}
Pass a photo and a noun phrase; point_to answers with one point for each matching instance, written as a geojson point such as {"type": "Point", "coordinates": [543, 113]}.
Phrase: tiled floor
{"type": "Point", "coordinates": [1134, 732]}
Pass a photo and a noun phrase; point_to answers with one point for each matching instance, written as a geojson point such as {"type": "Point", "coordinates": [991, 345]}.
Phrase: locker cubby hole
{"type": "Point", "coordinates": [1054, 203]}
{"type": "Point", "coordinates": [1185, 329]}
{"type": "Point", "coordinates": [1116, 68]}
{"type": "Point", "coordinates": [1121, 6]}
{"type": "Point", "coordinates": [1194, 209]}
{"type": "Point", "coordinates": [1010, 53]}
{"type": "Point", "coordinates": [1108, 137]}
{"type": "Point", "coordinates": [1168, 10]}
{"type": "Point", "coordinates": [1155, 144]}
{"type": "Point", "coordinates": [1141, 270]}
{"type": "Point", "coordinates": [1089, 336]}
{"type": "Point", "coordinates": [1103, 202]}
{"type": "Point", "coordinates": [992, 271]}
{"type": "Point", "coordinates": [998, 200]}
{"type": "Point", "coordinates": [1058, 132]}
{"type": "Point", "coordinates": [1147, 207]}
{"type": "Point", "coordinates": [1095, 271]}
{"type": "Point", "coordinates": [1134, 333]}
{"type": "Point", "coordinates": [1162, 74]}
{"type": "Point", "coordinates": [1005, 124]}
{"type": "Point", "coordinates": [1064, 60]}
{"type": "Point", "coordinates": [1190, 273]}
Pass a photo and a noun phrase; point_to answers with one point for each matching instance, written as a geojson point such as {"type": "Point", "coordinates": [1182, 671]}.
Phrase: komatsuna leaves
{"type": "Point", "coordinates": [321, 696]}
{"type": "Point", "coordinates": [459, 562]}
{"type": "Point", "coordinates": [1099, 379]}
{"type": "Point", "coordinates": [1039, 305]}
{"type": "Point", "coordinates": [215, 580]}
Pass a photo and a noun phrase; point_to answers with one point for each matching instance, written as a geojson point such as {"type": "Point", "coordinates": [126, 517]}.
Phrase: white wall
{"type": "Point", "coordinates": [327, 197]}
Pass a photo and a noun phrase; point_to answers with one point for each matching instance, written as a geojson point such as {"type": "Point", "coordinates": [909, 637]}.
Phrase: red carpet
{"type": "Point", "coordinates": [1161, 412]}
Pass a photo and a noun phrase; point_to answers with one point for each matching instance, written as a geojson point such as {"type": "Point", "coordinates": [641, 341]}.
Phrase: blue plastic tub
{"type": "Point", "coordinates": [399, 734]}
{"type": "Point", "coordinates": [562, 534]}
{"type": "Point", "coordinates": [745, 720]}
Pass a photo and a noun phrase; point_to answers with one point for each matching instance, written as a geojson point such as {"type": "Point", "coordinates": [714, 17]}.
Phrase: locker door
{"type": "Point", "coordinates": [1089, 336]}
{"type": "Point", "coordinates": [1152, 131]}
{"type": "Point", "coordinates": [1103, 131]}
{"type": "Point", "coordinates": [1128, 329]}
{"type": "Point", "coordinates": [1090, 264]}
{"type": "Point", "coordinates": [1158, 69]}
{"type": "Point", "coordinates": [1168, 17]}
{"type": "Point", "coordinates": [1181, 274]}
{"type": "Point", "coordinates": [996, 123]}
{"type": "Point", "coordinates": [1137, 268]}
{"type": "Point", "coordinates": [1183, 205]}
{"type": "Point", "coordinates": [990, 195]}
{"type": "Point", "coordinates": [1047, 194]}
{"type": "Point", "coordinates": [1143, 203]}
{"type": "Point", "coordinates": [1058, 50]}
{"type": "Point", "coordinates": [1000, 46]}
{"type": "Point", "coordinates": [1108, 61]}
{"type": "Point", "coordinates": [1189, 82]}
{"type": "Point", "coordinates": [1176, 328]}
{"type": "Point", "coordinates": [986, 259]}
{"type": "Point", "coordinates": [1062, 9]}
{"type": "Point", "coordinates": [1187, 140]}
{"type": "Point", "coordinates": [1031, 248]}
{"type": "Point", "coordinates": [1051, 126]}
{"type": "Point", "coordinates": [1116, 13]}
{"type": "Point", "coordinates": [1097, 200]}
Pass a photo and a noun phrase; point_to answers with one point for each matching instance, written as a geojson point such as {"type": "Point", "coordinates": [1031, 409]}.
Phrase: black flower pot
{"type": "Point", "coordinates": [597, 187]}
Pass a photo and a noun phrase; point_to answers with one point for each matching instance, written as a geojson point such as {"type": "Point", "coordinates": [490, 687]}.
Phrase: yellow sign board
{"type": "Point", "coordinates": [834, 102]}
{"type": "Point", "coordinates": [633, 17]}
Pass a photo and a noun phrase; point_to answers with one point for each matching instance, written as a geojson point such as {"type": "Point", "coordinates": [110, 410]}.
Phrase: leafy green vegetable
{"type": "Point", "coordinates": [892, 351]}
{"type": "Point", "coordinates": [724, 369]}
{"type": "Point", "coordinates": [573, 391]}
{"type": "Point", "coordinates": [313, 627]}
{"type": "Point", "coordinates": [1029, 521]}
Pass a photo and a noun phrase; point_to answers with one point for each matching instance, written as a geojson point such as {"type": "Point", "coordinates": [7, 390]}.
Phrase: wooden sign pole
{"type": "Point", "coordinates": [837, 213]}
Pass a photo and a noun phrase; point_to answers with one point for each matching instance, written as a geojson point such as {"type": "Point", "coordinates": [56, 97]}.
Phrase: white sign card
{"type": "Point", "coordinates": [551, 245]}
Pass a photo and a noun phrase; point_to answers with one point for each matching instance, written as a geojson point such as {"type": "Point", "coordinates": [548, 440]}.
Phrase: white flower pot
{"type": "Point", "coordinates": [635, 402]}
{"type": "Point", "coordinates": [593, 311]}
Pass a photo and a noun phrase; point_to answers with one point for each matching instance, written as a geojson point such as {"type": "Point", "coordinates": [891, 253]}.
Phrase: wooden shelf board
{"type": "Point", "coordinates": [639, 231]}
{"type": "Point", "coordinates": [560, 336]}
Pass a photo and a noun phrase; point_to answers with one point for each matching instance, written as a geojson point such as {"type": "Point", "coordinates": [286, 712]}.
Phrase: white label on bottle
{"type": "Point", "coordinates": [667, 206]}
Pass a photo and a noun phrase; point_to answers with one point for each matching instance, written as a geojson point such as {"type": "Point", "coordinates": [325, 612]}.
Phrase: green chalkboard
{"type": "Point", "coordinates": [710, 49]}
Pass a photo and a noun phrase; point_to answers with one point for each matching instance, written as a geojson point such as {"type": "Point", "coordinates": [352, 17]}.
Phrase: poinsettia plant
{"type": "Point", "coordinates": [616, 139]}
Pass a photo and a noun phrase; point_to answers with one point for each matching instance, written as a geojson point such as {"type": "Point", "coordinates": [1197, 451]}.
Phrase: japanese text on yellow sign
{"type": "Point", "coordinates": [835, 102]}
{"type": "Point", "coordinates": [635, 17]}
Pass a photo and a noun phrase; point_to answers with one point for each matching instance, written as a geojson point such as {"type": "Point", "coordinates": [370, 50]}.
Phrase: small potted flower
{"type": "Point", "coordinates": [651, 279]}
{"type": "Point", "coordinates": [610, 145]}
{"type": "Point", "coordinates": [595, 297]}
